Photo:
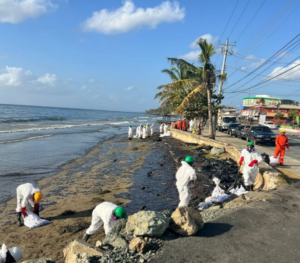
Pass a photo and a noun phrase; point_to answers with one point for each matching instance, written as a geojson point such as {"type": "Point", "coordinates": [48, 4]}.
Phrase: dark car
{"type": "Point", "coordinates": [241, 130]}
{"type": "Point", "coordinates": [231, 128]}
{"type": "Point", "coordinates": [261, 134]}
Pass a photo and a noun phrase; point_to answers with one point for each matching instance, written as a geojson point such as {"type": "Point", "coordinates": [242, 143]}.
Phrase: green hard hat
{"type": "Point", "coordinates": [250, 143]}
{"type": "Point", "coordinates": [189, 159]}
{"type": "Point", "coordinates": [120, 212]}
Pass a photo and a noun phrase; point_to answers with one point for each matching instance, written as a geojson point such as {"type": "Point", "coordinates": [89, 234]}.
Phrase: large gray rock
{"type": "Point", "coordinates": [114, 238]}
{"type": "Point", "coordinates": [217, 151]}
{"type": "Point", "coordinates": [147, 223]}
{"type": "Point", "coordinates": [41, 260]}
{"type": "Point", "coordinates": [186, 221]}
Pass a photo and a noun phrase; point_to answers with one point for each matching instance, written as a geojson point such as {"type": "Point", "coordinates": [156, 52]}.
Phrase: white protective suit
{"type": "Point", "coordinates": [147, 130]}
{"type": "Point", "coordinates": [103, 214]}
{"type": "Point", "coordinates": [161, 128]}
{"type": "Point", "coordinates": [137, 131]}
{"type": "Point", "coordinates": [165, 129]}
{"type": "Point", "coordinates": [141, 132]}
{"type": "Point", "coordinates": [152, 129]}
{"type": "Point", "coordinates": [24, 194]}
{"type": "Point", "coordinates": [144, 133]}
{"type": "Point", "coordinates": [250, 173]}
{"type": "Point", "coordinates": [184, 175]}
{"type": "Point", "coordinates": [191, 123]}
{"type": "Point", "coordinates": [129, 132]}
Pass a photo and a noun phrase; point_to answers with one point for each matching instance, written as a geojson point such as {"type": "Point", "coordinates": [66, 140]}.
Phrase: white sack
{"type": "Point", "coordinates": [32, 220]}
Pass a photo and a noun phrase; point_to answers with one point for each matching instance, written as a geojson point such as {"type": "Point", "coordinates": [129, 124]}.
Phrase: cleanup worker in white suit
{"type": "Point", "coordinates": [252, 158]}
{"type": "Point", "coordinates": [184, 175]}
{"type": "Point", "coordinates": [11, 255]}
{"type": "Point", "coordinates": [27, 193]}
{"type": "Point", "coordinates": [152, 129]}
{"type": "Point", "coordinates": [105, 214]}
{"type": "Point", "coordinates": [130, 133]}
{"type": "Point", "coordinates": [147, 130]}
{"type": "Point", "coordinates": [191, 124]}
{"type": "Point", "coordinates": [161, 128]}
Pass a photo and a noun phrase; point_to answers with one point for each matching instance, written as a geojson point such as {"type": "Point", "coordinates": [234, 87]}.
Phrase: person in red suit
{"type": "Point", "coordinates": [281, 142]}
{"type": "Point", "coordinates": [179, 124]}
{"type": "Point", "coordinates": [183, 125]}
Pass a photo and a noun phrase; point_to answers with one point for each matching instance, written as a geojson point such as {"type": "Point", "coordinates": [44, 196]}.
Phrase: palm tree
{"type": "Point", "coordinates": [201, 78]}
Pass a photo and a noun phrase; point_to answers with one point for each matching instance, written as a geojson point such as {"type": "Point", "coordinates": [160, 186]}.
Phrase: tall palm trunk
{"type": "Point", "coordinates": [211, 133]}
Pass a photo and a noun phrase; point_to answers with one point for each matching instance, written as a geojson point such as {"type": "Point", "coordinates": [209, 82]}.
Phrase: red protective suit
{"type": "Point", "coordinates": [179, 125]}
{"type": "Point", "coordinates": [281, 142]}
{"type": "Point", "coordinates": [183, 125]}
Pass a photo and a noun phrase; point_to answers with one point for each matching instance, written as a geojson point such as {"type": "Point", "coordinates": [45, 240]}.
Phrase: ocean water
{"type": "Point", "coordinates": [36, 141]}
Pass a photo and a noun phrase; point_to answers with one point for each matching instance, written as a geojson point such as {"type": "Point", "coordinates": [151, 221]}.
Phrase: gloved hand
{"type": "Point", "coordinates": [36, 209]}
{"type": "Point", "coordinates": [23, 210]}
{"type": "Point", "coordinates": [252, 163]}
{"type": "Point", "coordinates": [241, 160]}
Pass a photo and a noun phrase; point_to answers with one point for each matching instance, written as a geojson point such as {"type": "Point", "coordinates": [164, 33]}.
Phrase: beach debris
{"type": "Point", "coordinates": [266, 158]}
{"type": "Point", "coordinates": [143, 187]}
{"type": "Point", "coordinates": [147, 223]}
{"type": "Point", "coordinates": [41, 260]}
{"type": "Point", "coordinates": [138, 244]}
{"type": "Point", "coordinates": [143, 208]}
{"type": "Point", "coordinates": [217, 151]}
{"type": "Point", "coordinates": [77, 248]}
{"type": "Point", "coordinates": [149, 173]}
{"type": "Point", "coordinates": [186, 221]}
{"type": "Point", "coordinates": [98, 244]}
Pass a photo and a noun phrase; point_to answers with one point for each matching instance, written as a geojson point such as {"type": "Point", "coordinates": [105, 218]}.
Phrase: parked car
{"type": "Point", "coordinates": [231, 128]}
{"type": "Point", "coordinates": [269, 124]}
{"type": "Point", "coordinates": [240, 131]}
{"type": "Point", "coordinates": [260, 134]}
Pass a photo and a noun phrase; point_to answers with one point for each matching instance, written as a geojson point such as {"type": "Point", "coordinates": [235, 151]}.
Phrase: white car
{"type": "Point", "coordinates": [269, 124]}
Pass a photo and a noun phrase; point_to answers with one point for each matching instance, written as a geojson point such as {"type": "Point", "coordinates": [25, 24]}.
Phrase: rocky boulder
{"type": "Point", "coordinates": [137, 244]}
{"type": "Point", "coordinates": [79, 251]}
{"type": "Point", "coordinates": [114, 238]}
{"type": "Point", "coordinates": [186, 221]}
{"type": "Point", "coordinates": [147, 223]}
{"type": "Point", "coordinates": [216, 151]}
{"type": "Point", "coordinates": [41, 260]}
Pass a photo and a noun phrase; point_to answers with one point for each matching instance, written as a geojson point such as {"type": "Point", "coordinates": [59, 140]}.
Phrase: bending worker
{"type": "Point", "coordinates": [11, 255]}
{"type": "Point", "coordinates": [184, 175]}
{"type": "Point", "coordinates": [281, 142]}
{"type": "Point", "coordinates": [251, 157]}
{"type": "Point", "coordinates": [105, 214]}
{"type": "Point", "coordinates": [130, 132]}
{"type": "Point", "coordinates": [27, 193]}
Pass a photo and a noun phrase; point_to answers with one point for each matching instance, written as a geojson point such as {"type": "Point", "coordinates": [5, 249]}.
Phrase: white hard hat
{"type": "Point", "coordinates": [16, 253]}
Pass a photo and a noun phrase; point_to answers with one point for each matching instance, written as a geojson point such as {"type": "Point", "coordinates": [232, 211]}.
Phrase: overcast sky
{"type": "Point", "coordinates": [109, 54]}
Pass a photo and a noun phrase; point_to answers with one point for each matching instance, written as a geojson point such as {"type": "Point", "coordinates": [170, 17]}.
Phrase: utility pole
{"type": "Point", "coordinates": [249, 92]}
{"type": "Point", "coordinates": [224, 62]}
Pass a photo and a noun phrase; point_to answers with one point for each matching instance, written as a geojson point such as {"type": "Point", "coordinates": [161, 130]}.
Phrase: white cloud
{"type": "Point", "coordinates": [129, 88]}
{"type": "Point", "coordinates": [256, 61]}
{"type": "Point", "coordinates": [91, 80]}
{"type": "Point", "coordinates": [193, 55]}
{"type": "Point", "coordinates": [293, 74]}
{"type": "Point", "coordinates": [16, 11]}
{"type": "Point", "coordinates": [209, 38]}
{"type": "Point", "coordinates": [12, 76]}
{"type": "Point", "coordinates": [83, 87]}
{"type": "Point", "coordinates": [47, 79]}
{"type": "Point", "coordinates": [113, 98]}
{"type": "Point", "coordinates": [128, 17]}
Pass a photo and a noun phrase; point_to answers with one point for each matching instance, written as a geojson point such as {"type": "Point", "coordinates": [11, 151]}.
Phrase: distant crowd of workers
{"type": "Point", "coordinates": [183, 125]}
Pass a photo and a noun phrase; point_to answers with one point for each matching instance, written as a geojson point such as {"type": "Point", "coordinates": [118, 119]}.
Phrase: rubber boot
{"type": "Point", "coordinates": [247, 187]}
{"type": "Point", "coordinates": [86, 237]}
{"type": "Point", "coordinates": [19, 214]}
{"type": "Point", "coordinates": [251, 187]}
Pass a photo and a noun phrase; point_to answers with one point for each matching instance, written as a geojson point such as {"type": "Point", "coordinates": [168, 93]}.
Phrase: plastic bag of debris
{"type": "Point", "coordinates": [32, 220]}
{"type": "Point", "coordinates": [274, 161]}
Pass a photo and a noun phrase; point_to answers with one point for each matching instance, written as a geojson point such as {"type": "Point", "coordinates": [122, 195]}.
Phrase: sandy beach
{"type": "Point", "coordinates": [114, 171]}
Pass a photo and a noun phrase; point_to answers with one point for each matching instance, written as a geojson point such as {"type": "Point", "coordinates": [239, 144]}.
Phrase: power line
{"type": "Point", "coordinates": [250, 21]}
{"type": "Point", "coordinates": [239, 18]}
{"type": "Point", "coordinates": [229, 18]}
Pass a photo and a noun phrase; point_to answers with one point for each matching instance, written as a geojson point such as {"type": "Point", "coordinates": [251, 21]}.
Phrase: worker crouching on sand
{"type": "Point", "coordinates": [184, 175]}
{"type": "Point", "coordinates": [105, 214]}
{"type": "Point", "coordinates": [251, 157]}
{"type": "Point", "coordinates": [11, 255]}
{"type": "Point", "coordinates": [27, 193]}
{"type": "Point", "coordinates": [281, 142]}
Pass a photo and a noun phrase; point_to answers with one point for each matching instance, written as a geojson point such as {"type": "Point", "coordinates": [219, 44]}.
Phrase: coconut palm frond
{"type": "Point", "coordinates": [191, 94]}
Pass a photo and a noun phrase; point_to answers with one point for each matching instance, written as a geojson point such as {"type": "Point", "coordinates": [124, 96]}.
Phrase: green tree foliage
{"type": "Point", "coordinates": [293, 114]}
